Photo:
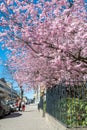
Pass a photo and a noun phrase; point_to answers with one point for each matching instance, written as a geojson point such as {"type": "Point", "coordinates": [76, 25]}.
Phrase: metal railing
{"type": "Point", "coordinates": [67, 102]}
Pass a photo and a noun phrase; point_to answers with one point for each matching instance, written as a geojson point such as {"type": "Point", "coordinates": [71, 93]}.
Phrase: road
{"type": "Point", "coordinates": [30, 119]}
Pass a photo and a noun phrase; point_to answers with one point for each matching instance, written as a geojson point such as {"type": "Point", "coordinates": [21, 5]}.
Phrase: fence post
{"type": "Point", "coordinates": [44, 104]}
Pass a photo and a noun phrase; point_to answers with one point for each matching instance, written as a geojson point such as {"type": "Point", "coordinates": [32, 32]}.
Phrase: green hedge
{"type": "Point", "coordinates": [76, 112]}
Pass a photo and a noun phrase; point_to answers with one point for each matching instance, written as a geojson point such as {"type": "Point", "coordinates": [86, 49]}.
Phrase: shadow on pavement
{"type": "Point", "coordinates": [28, 111]}
{"type": "Point", "coordinates": [13, 115]}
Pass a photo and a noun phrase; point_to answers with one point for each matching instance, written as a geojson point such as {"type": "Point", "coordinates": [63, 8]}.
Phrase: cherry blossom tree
{"type": "Point", "coordinates": [48, 40]}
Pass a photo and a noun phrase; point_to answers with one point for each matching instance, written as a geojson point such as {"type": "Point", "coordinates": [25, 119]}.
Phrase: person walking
{"type": "Point", "coordinates": [19, 105]}
{"type": "Point", "coordinates": [23, 105]}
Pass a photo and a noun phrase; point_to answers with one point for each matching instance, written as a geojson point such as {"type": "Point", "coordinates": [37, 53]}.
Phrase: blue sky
{"type": "Point", "coordinates": [4, 73]}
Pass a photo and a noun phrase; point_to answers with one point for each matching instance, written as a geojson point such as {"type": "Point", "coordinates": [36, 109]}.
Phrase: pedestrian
{"type": "Point", "coordinates": [19, 105]}
{"type": "Point", "coordinates": [23, 105]}
{"type": "Point", "coordinates": [38, 106]}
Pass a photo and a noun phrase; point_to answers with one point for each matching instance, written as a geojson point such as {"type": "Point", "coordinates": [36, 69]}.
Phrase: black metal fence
{"type": "Point", "coordinates": [67, 102]}
{"type": "Point", "coordinates": [41, 102]}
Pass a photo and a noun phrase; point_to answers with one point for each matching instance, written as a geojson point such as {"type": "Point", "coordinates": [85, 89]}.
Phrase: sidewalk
{"type": "Point", "coordinates": [35, 119]}
{"type": "Point", "coordinates": [30, 119]}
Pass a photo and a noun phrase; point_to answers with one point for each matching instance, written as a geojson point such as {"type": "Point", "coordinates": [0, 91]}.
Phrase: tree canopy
{"type": "Point", "coordinates": [47, 39]}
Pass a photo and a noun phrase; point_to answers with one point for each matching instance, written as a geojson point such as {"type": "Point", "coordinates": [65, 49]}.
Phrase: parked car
{"type": "Point", "coordinates": [12, 105]}
{"type": "Point", "coordinates": [5, 108]}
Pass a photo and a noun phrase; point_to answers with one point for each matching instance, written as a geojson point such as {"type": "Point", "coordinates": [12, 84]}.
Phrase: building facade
{"type": "Point", "coordinates": [6, 91]}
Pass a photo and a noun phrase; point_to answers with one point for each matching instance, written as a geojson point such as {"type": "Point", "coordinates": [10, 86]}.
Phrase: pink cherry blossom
{"type": "Point", "coordinates": [48, 45]}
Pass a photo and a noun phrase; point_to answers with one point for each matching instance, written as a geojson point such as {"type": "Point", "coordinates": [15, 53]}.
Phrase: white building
{"type": "Point", "coordinates": [6, 91]}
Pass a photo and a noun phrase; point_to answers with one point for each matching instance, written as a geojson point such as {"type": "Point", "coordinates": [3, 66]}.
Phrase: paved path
{"type": "Point", "coordinates": [31, 119]}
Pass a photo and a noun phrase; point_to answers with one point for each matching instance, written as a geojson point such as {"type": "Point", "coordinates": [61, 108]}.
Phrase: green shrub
{"type": "Point", "coordinates": [76, 112]}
